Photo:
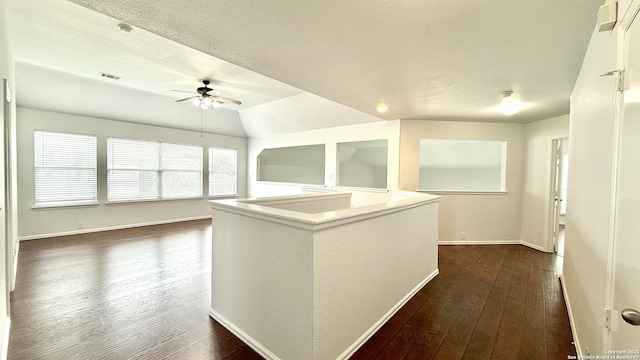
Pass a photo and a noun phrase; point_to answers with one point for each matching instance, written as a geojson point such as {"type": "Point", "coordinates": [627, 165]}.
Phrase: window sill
{"type": "Point", "coordinates": [145, 201]}
{"type": "Point", "coordinates": [363, 189]}
{"type": "Point", "coordinates": [63, 206]}
{"type": "Point", "coordinates": [222, 196]}
{"type": "Point", "coordinates": [278, 183]}
{"type": "Point", "coordinates": [463, 192]}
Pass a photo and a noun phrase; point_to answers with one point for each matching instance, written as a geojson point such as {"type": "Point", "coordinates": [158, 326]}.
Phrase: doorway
{"type": "Point", "coordinates": [559, 175]}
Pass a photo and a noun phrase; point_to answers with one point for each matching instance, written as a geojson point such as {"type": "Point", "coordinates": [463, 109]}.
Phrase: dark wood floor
{"type": "Point", "coordinates": [144, 294]}
{"type": "Point", "coordinates": [489, 302]}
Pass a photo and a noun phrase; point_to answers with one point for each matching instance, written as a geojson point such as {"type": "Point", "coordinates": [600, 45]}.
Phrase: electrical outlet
{"type": "Point", "coordinates": [79, 225]}
{"type": "Point", "coordinates": [462, 235]}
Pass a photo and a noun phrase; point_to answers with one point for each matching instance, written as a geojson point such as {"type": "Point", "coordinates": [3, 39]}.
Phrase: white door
{"type": "Point", "coordinates": [626, 251]}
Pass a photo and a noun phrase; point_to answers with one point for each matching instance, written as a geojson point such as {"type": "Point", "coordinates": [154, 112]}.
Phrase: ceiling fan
{"type": "Point", "coordinates": [208, 97]}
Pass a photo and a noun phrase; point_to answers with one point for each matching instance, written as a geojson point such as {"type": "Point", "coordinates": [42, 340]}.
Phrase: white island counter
{"type": "Point", "coordinates": [310, 276]}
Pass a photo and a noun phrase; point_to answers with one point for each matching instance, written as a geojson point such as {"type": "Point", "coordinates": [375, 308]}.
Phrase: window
{"type": "Point", "coordinates": [223, 168]}
{"type": "Point", "coordinates": [462, 165]}
{"type": "Point", "coordinates": [147, 170]}
{"type": "Point", "coordinates": [363, 163]}
{"type": "Point", "coordinates": [295, 164]}
{"type": "Point", "coordinates": [65, 169]}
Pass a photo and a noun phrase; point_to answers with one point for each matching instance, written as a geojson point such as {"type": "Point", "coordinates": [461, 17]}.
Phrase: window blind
{"type": "Point", "coordinates": [223, 169]}
{"type": "Point", "coordinates": [147, 170]}
{"type": "Point", "coordinates": [65, 169]}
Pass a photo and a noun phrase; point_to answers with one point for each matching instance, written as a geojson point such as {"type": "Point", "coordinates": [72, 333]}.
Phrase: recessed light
{"type": "Point", "coordinates": [382, 108]}
{"type": "Point", "coordinates": [125, 28]}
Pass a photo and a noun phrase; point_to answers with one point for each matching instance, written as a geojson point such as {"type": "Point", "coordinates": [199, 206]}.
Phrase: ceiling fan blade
{"type": "Point", "coordinates": [189, 98]}
{"type": "Point", "coordinates": [184, 91]}
{"type": "Point", "coordinates": [223, 99]}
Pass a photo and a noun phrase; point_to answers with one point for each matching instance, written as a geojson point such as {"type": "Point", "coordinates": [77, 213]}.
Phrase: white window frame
{"type": "Point", "coordinates": [57, 155]}
{"type": "Point", "coordinates": [232, 173]}
{"type": "Point", "coordinates": [156, 166]}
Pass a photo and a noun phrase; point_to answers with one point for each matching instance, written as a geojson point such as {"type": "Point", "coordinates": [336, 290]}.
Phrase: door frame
{"type": "Point", "coordinates": [556, 171]}
{"type": "Point", "coordinates": [6, 206]}
{"type": "Point", "coordinates": [611, 315]}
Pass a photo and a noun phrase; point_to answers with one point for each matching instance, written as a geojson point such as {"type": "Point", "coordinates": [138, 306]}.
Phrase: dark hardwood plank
{"type": "Point", "coordinates": [534, 337]}
{"type": "Point", "coordinates": [489, 302]}
{"type": "Point", "coordinates": [144, 294]}
{"type": "Point", "coordinates": [557, 327]}
{"type": "Point", "coordinates": [395, 324]}
{"type": "Point", "coordinates": [436, 315]}
{"type": "Point", "coordinates": [507, 345]}
{"type": "Point", "coordinates": [128, 294]}
{"type": "Point", "coordinates": [475, 292]}
{"type": "Point", "coordinates": [485, 332]}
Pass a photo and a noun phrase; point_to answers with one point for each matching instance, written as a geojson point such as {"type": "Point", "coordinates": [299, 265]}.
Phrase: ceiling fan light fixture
{"type": "Point", "coordinates": [206, 97]}
{"type": "Point", "coordinates": [204, 102]}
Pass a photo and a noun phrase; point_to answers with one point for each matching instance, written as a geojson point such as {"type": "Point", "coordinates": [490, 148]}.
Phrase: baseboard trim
{"type": "Point", "coordinates": [5, 338]}
{"type": "Point", "coordinates": [493, 242]}
{"type": "Point", "coordinates": [251, 342]}
{"type": "Point", "coordinates": [265, 353]}
{"type": "Point", "coordinates": [480, 242]}
{"type": "Point", "coordinates": [369, 333]}
{"type": "Point", "coordinates": [14, 270]}
{"type": "Point", "coordinates": [576, 342]}
{"type": "Point", "coordinates": [533, 246]}
{"type": "Point", "coordinates": [109, 228]}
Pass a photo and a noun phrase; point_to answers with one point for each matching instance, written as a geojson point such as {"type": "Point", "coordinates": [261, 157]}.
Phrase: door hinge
{"type": "Point", "coordinates": [620, 81]}
{"type": "Point", "coordinates": [607, 319]}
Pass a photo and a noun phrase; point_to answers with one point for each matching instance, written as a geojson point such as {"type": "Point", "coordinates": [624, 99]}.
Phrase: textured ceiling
{"type": "Point", "coordinates": [437, 59]}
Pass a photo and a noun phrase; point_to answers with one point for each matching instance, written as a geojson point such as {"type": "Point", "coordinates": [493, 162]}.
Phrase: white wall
{"type": "Point", "coordinates": [591, 152]}
{"type": "Point", "coordinates": [330, 137]}
{"type": "Point", "coordinates": [536, 188]}
{"type": "Point", "coordinates": [493, 218]}
{"type": "Point", "coordinates": [355, 172]}
{"type": "Point", "coordinates": [51, 90]}
{"type": "Point", "coordinates": [295, 174]}
{"type": "Point", "coordinates": [299, 113]}
{"type": "Point", "coordinates": [483, 218]}
{"type": "Point", "coordinates": [58, 221]}
{"type": "Point", "coordinates": [455, 178]}
{"type": "Point", "coordinates": [6, 72]}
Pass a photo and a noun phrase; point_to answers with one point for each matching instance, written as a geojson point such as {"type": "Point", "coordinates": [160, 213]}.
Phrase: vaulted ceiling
{"type": "Point", "coordinates": [437, 59]}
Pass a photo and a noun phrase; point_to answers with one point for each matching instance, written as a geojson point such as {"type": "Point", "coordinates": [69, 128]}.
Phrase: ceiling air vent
{"type": "Point", "coordinates": [109, 76]}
